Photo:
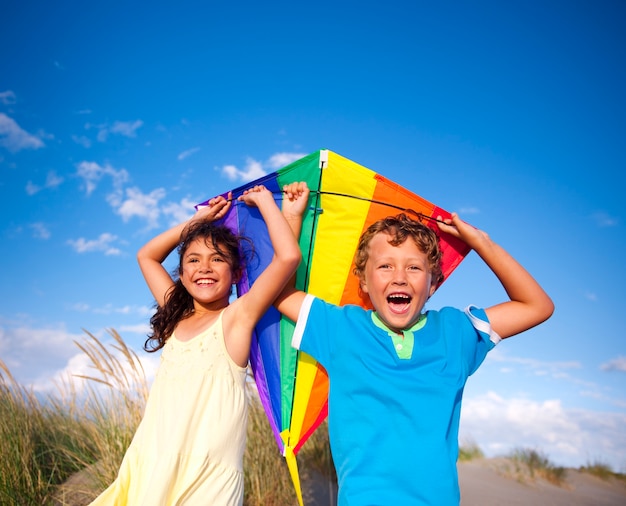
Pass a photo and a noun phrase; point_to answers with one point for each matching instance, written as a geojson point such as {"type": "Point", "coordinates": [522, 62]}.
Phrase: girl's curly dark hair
{"type": "Point", "coordinates": [178, 303]}
{"type": "Point", "coordinates": [400, 228]}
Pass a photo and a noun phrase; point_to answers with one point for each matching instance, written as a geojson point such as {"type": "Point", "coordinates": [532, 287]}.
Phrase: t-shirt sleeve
{"type": "Point", "coordinates": [487, 337]}
{"type": "Point", "coordinates": [312, 333]}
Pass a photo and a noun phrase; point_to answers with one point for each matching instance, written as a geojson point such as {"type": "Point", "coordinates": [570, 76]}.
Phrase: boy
{"type": "Point", "coordinates": [397, 375]}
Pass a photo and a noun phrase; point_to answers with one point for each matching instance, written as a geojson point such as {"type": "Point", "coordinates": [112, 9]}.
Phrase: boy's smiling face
{"type": "Point", "coordinates": [397, 280]}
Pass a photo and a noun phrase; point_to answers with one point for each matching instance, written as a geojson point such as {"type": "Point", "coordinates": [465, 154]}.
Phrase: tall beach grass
{"type": "Point", "coordinates": [65, 448]}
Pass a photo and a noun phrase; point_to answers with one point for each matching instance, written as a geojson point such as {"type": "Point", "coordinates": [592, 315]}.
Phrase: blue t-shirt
{"type": "Point", "coordinates": [393, 423]}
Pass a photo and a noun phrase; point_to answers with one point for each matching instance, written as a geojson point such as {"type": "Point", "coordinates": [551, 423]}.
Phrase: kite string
{"type": "Point", "coordinates": [318, 193]}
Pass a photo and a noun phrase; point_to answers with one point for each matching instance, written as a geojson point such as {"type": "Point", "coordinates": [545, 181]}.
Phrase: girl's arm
{"type": "Point", "coordinates": [529, 304]}
{"type": "Point", "coordinates": [245, 312]}
{"type": "Point", "coordinates": [152, 254]}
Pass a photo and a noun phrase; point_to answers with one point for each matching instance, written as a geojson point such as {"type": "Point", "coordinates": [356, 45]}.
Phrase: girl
{"type": "Point", "coordinates": [188, 448]}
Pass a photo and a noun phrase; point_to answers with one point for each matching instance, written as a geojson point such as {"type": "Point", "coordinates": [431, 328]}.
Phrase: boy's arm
{"type": "Point", "coordinates": [529, 304]}
{"type": "Point", "coordinates": [152, 254]}
{"type": "Point", "coordinates": [296, 200]}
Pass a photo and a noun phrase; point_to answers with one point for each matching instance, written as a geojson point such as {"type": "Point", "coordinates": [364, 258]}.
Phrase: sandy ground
{"type": "Point", "coordinates": [487, 483]}
{"type": "Point", "coordinates": [490, 482]}
{"type": "Point", "coordinates": [484, 482]}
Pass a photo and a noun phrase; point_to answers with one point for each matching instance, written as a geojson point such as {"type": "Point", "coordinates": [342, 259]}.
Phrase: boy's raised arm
{"type": "Point", "coordinates": [529, 304]}
{"type": "Point", "coordinates": [295, 203]}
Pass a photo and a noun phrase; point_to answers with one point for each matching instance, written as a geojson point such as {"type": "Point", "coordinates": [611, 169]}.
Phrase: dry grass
{"type": "Point", "coordinates": [266, 479]}
{"type": "Point", "coordinates": [39, 440]}
{"type": "Point", "coordinates": [65, 449]}
{"type": "Point", "coordinates": [470, 451]}
{"type": "Point", "coordinates": [603, 471]}
{"type": "Point", "coordinates": [530, 464]}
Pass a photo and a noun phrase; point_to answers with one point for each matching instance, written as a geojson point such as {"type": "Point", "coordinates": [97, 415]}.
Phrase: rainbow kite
{"type": "Point", "coordinates": [345, 199]}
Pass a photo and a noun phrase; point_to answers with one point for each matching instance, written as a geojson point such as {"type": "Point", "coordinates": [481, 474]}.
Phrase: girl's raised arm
{"type": "Point", "coordinates": [152, 254]}
{"type": "Point", "coordinates": [246, 311]}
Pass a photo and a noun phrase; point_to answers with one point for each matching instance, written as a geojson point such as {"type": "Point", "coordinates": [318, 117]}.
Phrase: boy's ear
{"type": "Point", "coordinates": [432, 290]}
{"type": "Point", "coordinates": [364, 294]}
{"type": "Point", "coordinates": [363, 284]}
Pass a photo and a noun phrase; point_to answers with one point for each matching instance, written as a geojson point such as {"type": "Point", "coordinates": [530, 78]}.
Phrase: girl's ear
{"type": "Point", "coordinates": [237, 276]}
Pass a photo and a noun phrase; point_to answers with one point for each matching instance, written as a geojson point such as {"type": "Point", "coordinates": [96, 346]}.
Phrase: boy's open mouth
{"type": "Point", "coordinates": [398, 301]}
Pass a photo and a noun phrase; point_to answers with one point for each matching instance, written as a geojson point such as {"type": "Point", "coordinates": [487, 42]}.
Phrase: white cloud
{"type": "Point", "coordinates": [139, 204]}
{"type": "Point", "coordinates": [187, 153]}
{"type": "Point", "coordinates": [569, 437]}
{"type": "Point", "coordinates": [537, 366]}
{"type": "Point", "coordinates": [80, 307]}
{"type": "Point", "coordinates": [27, 350]}
{"type": "Point", "coordinates": [280, 160]}
{"type": "Point", "coordinates": [124, 128]}
{"type": "Point", "coordinates": [603, 219]}
{"type": "Point", "coordinates": [40, 231]}
{"type": "Point", "coordinates": [141, 328]}
{"type": "Point", "coordinates": [82, 140]}
{"type": "Point", "coordinates": [102, 243]}
{"type": "Point", "coordinates": [14, 138]}
{"type": "Point", "coordinates": [7, 97]}
{"type": "Point", "coordinates": [179, 212]}
{"type": "Point", "coordinates": [32, 188]}
{"type": "Point", "coordinates": [91, 174]}
{"type": "Point", "coordinates": [45, 359]}
{"type": "Point", "coordinates": [52, 181]}
{"type": "Point", "coordinates": [81, 365]}
{"type": "Point", "coordinates": [132, 202]}
{"type": "Point", "coordinates": [142, 311]}
{"type": "Point", "coordinates": [255, 169]}
{"type": "Point", "coordinates": [616, 364]}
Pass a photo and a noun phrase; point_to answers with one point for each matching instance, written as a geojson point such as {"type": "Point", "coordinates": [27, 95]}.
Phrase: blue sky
{"type": "Point", "coordinates": [115, 119]}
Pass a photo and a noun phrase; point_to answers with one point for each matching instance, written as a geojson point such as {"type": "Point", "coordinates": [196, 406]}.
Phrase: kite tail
{"type": "Point", "coordinates": [292, 465]}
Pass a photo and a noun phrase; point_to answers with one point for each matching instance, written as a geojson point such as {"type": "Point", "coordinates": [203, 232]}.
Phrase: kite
{"type": "Point", "coordinates": [345, 199]}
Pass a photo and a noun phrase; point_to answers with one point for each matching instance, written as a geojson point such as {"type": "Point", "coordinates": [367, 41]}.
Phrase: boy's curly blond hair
{"type": "Point", "coordinates": [400, 228]}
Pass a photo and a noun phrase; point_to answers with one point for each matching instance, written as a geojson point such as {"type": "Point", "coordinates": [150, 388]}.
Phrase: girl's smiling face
{"type": "Point", "coordinates": [397, 280]}
{"type": "Point", "coordinates": [206, 274]}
